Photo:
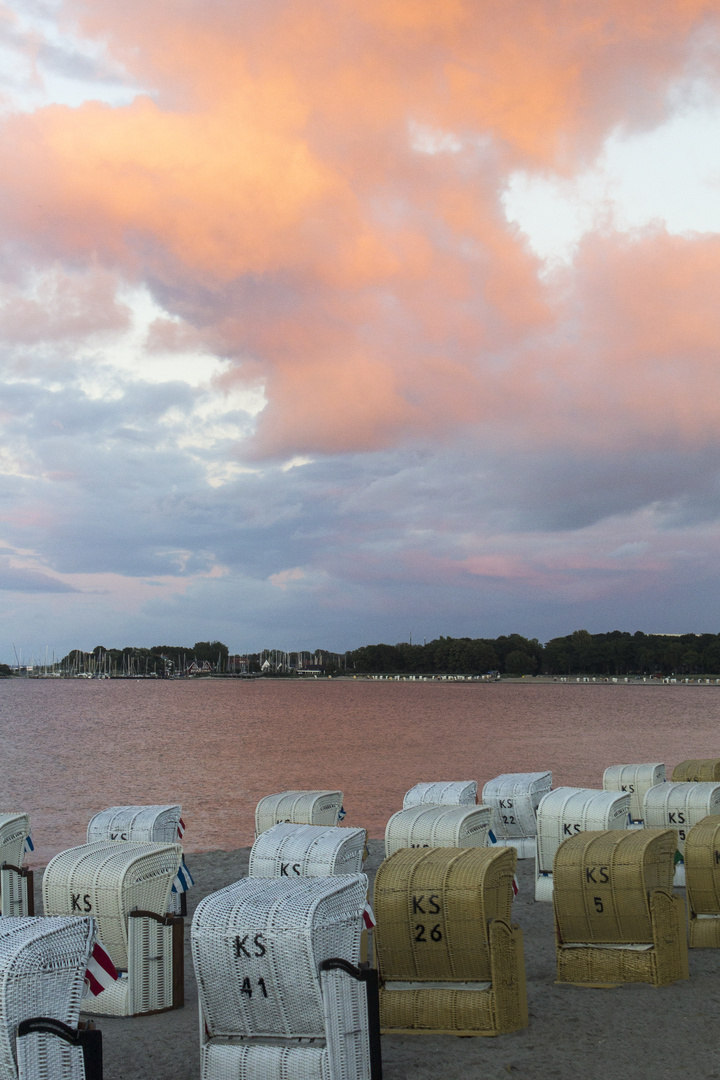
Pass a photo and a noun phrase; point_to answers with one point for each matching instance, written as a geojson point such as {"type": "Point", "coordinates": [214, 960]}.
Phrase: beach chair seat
{"type": "Point", "coordinates": [450, 961]}
{"type": "Point", "coordinates": [679, 806]}
{"type": "Point", "coordinates": [514, 799]}
{"type": "Point", "coordinates": [636, 780]}
{"type": "Point", "coordinates": [616, 918]}
{"type": "Point", "coordinates": [144, 824]}
{"type": "Point", "coordinates": [125, 887]}
{"type": "Point", "coordinates": [288, 850]}
{"type": "Point", "coordinates": [17, 895]}
{"type": "Point", "coordinates": [702, 881]}
{"type": "Point", "coordinates": [280, 992]}
{"type": "Point", "coordinates": [42, 970]}
{"type": "Point", "coordinates": [430, 825]}
{"type": "Point", "coordinates": [697, 770]}
{"type": "Point", "coordinates": [300, 808]}
{"type": "Point", "coordinates": [567, 811]}
{"type": "Point", "coordinates": [444, 793]}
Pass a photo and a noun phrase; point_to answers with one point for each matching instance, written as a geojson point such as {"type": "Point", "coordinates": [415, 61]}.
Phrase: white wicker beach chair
{"type": "Point", "coordinates": [16, 883]}
{"type": "Point", "coordinates": [147, 825]}
{"type": "Point", "coordinates": [514, 798]}
{"type": "Point", "coordinates": [679, 806]}
{"type": "Point", "coordinates": [567, 811]}
{"type": "Point", "coordinates": [269, 1008]}
{"type": "Point", "coordinates": [42, 970]}
{"type": "Point", "coordinates": [288, 850]}
{"type": "Point", "coordinates": [300, 807]}
{"type": "Point", "coordinates": [635, 780]}
{"type": "Point", "coordinates": [444, 793]}
{"type": "Point", "coordinates": [432, 826]}
{"type": "Point", "coordinates": [125, 887]}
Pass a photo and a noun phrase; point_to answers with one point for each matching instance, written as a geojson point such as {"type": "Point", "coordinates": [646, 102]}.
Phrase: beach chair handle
{"type": "Point", "coordinates": [88, 1039]}
{"type": "Point", "coordinates": [369, 976]}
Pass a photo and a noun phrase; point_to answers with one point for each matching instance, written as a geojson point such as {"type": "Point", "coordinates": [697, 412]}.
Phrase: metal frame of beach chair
{"type": "Point", "coordinates": [566, 811]}
{"type": "Point", "coordinates": [289, 850]}
{"type": "Point", "coordinates": [431, 826]}
{"type": "Point", "coordinates": [616, 918]}
{"type": "Point", "coordinates": [442, 793]}
{"type": "Point", "coordinates": [514, 798]}
{"type": "Point", "coordinates": [280, 992]}
{"type": "Point", "coordinates": [450, 961]}
{"type": "Point", "coordinates": [298, 807]}
{"type": "Point", "coordinates": [125, 887]}
{"type": "Point", "coordinates": [702, 881]}
{"type": "Point", "coordinates": [679, 806]}
{"type": "Point", "coordinates": [636, 780]}
{"type": "Point", "coordinates": [17, 895]}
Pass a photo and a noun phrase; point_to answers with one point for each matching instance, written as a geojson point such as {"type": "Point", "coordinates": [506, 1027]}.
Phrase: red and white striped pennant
{"type": "Point", "coordinates": [368, 917]}
{"type": "Point", "coordinates": [181, 829]}
{"type": "Point", "coordinates": [101, 972]}
{"type": "Point", "coordinates": [516, 886]}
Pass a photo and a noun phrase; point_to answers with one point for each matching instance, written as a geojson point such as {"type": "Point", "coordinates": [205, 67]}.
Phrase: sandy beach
{"type": "Point", "coordinates": [629, 1032]}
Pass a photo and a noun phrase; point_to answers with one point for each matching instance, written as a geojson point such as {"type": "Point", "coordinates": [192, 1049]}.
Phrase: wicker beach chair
{"type": "Point", "coordinates": [288, 850]}
{"type": "Point", "coordinates": [699, 770]}
{"type": "Point", "coordinates": [447, 793]}
{"type": "Point", "coordinates": [449, 959]}
{"type": "Point", "coordinates": [679, 806]}
{"type": "Point", "coordinates": [514, 799]}
{"type": "Point", "coordinates": [299, 807]}
{"type": "Point", "coordinates": [567, 811]}
{"type": "Point", "coordinates": [147, 825]}
{"type": "Point", "coordinates": [42, 970]}
{"type": "Point", "coordinates": [702, 881]}
{"type": "Point", "coordinates": [125, 887]}
{"type": "Point", "coordinates": [17, 896]}
{"type": "Point", "coordinates": [429, 825]}
{"type": "Point", "coordinates": [616, 919]}
{"type": "Point", "coordinates": [280, 993]}
{"type": "Point", "coordinates": [635, 780]}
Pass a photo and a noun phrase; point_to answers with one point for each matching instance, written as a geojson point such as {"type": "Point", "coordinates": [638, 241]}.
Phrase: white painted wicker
{"type": "Point", "coordinates": [444, 793]}
{"type": "Point", "coordinates": [257, 947]}
{"type": "Point", "coordinates": [42, 969]}
{"type": "Point", "coordinates": [288, 850]}
{"type": "Point", "coordinates": [514, 798]}
{"type": "Point", "coordinates": [300, 807]}
{"type": "Point", "coordinates": [14, 828]}
{"type": "Point", "coordinates": [635, 780]}
{"type": "Point", "coordinates": [567, 811]}
{"type": "Point", "coordinates": [679, 806]}
{"type": "Point", "coordinates": [430, 825]}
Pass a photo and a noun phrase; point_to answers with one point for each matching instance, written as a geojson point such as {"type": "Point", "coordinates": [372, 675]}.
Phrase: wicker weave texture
{"type": "Point", "coordinates": [697, 770]}
{"type": "Point", "coordinates": [432, 826]}
{"type": "Point", "coordinates": [442, 793]}
{"type": "Point", "coordinates": [514, 799]}
{"type": "Point", "coordinates": [145, 824]}
{"type": "Point", "coordinates": [567, 811]}
{"type": "Point", "coordinates": [602, 884]}
{"type": "Point", "coordinates": [108, 881]}
{"type": "Point", "coordinates": [636, 780]}
{"type": "Point", "coordinates": [221, 1061]}
{"type": "Point", "coordinates": [42, 969]}
{"type": "Point", "coordinates": [14, 827]}
{"type": "Point", "coordinates": [45, 1057]}
{"type": "Point", "coordinates": [680, 806]}
{"type": "Point", "coordinates": [288, 850]}
{"type": "Point", "coordinates": [300, 807]}
{"type": "Point", "coordinates": [257, 946]}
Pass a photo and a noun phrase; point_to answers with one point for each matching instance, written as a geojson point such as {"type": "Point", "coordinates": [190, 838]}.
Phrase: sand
{"type": "Point", "coordinates": [620, 1034]}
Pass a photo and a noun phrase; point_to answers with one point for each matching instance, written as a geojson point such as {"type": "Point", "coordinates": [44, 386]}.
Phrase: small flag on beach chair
{"type": "Point", "coordinates": [516, 885]}
{"type": "Point", "coordinates": [181, 829]}
{"type": "Point", "coordinates": [678, 858]}
{"type": "Point", "coordinates": [342, 813]}
{"type": "Point", "coordinates": [183, 879]}
{"type": "Point", "coordinates": [28, 846]}
{"type": "Point", "coordinates": [368, 917]}
{"type": "Point", "coordinates": [101, 972]}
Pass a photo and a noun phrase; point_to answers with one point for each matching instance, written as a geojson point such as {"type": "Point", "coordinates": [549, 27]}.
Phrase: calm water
{"type": "Point", "coordinates": [71, 748]}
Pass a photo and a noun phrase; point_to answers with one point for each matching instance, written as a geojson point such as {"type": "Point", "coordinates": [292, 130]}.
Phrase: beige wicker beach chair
{"type": "Point", "coordinates": [616, 919]}
{"type": "Point", "coordinates": [42, 970]}
{"type": "Point", "coordinates": [17, 895]}
{"type": "Point", "coordinates": [636, 780]}
{"type": "Point", "coordinates": [450, 960]}
{"type": "Point", "coordinates": [698, 770]}
{"type": "Point", "coordinates": [514, 799]}
{"type": "Point", "coordinates": [125, 887]}
{"type": "Point", "coordinates": [280, 993]}
{"type": "Point", "coordinates": [445, 793]}
{"type": "Point", "coordinates": [679, 806]}
{"type": "Point", "coordinates": [429, 825]}
{"type": "Point", "coordinates": [288, 850]}
{"type": "Point", "coordinates": [567, 811]}
{"type": "Point", "coordinates": [702, 880]}
{"type": "Point", "coordinates": [299, 807]}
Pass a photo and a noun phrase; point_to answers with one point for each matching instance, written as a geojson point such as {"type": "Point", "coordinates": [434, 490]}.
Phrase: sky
{"type": "Point", "coordinates": [327, 322]}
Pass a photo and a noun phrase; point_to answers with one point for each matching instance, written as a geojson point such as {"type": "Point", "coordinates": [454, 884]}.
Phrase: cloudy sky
{"type": "Point", "coordinates": [327, 322]}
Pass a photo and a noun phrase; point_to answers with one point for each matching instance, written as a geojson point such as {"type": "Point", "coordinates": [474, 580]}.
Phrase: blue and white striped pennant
{"type": "Point", "coordinates": [183, 879]}
{"type": "Point", "coordinates": [28, 846]}
{"type": "Point", "coordinates": [342, 813]}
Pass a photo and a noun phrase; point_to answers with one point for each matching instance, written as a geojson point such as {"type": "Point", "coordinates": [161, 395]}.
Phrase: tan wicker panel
{"type": "Point", "coordinates": [697, 770]}
{"type": "Point", "coordinates": [566, 812]}
{"type": "Point", "coordinates": [442, 793]}
{"type": "Point", "coordinates": [108, 881]}
{"type": "Point", "coordinates": [702, 866]}
{"type": "Point", "coordinates": [603, 881]}
{"type": "Point", "coordinates": [300, 807]}
{"type": "Point", "coordinates": [288, 850]}
{"type": "Point", "coordinates": [146, 824]}
{"type": "Point", "coordinates": [433, 1010]}
{"type": "Point", "coordinates": [514, 799]}
{"type": "Point", "coordinates": [431, 826]}
{"type": "Point", "coordinates": [635, 780]}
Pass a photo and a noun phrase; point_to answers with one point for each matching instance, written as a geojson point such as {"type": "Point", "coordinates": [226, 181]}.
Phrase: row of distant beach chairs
{"type": "Point", "coordinates": [283, 988]}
